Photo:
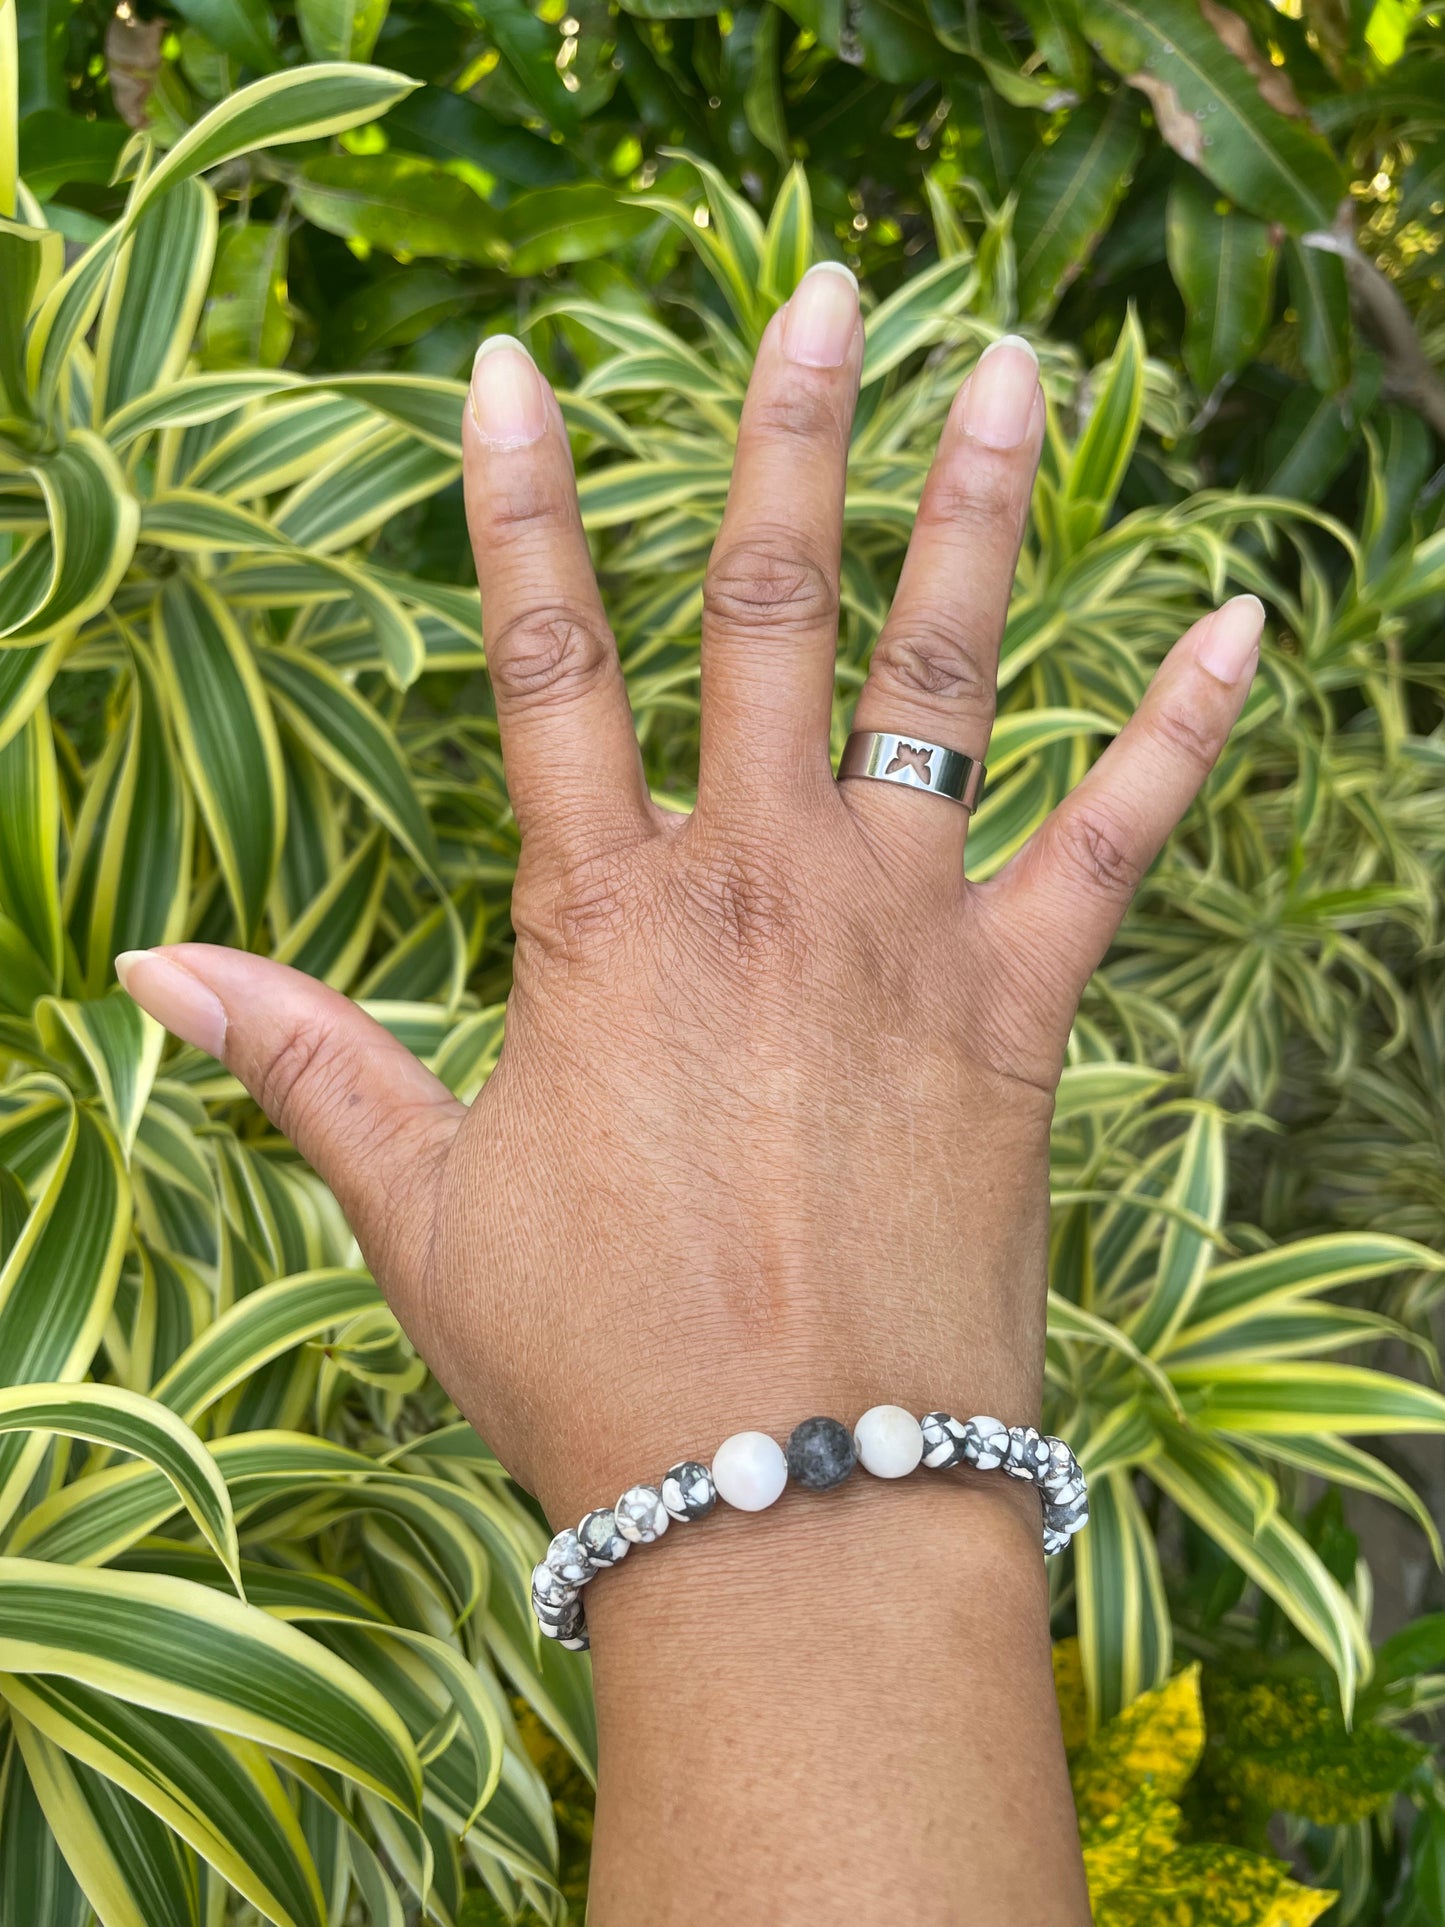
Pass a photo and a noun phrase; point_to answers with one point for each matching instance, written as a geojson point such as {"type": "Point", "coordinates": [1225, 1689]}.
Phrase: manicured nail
{"type": "Point", "coordinates": [998, 402]}
{"type": "Point", "coordinates": [174, 998]}
{"type": "Point", "coordinates": [1229, 646]}
{"type": "Point", "coordinates": [508, 402]}
{"type": "Point", "coordinates": [821, 319]}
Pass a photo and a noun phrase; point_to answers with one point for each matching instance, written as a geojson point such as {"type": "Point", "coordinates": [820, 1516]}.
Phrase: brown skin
{"type": "Point", "coordinates": [768, 1138]}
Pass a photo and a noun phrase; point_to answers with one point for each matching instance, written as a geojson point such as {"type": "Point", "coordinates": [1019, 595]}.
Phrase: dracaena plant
{"type": "Point", "coordinates": [227, 711]}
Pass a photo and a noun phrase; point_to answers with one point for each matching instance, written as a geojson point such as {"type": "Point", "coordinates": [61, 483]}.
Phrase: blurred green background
{"type": "Point", "coordinates": [247, 255]}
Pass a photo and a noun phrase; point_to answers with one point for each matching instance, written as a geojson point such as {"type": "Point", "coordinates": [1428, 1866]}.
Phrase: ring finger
{"type": "Point", "coordinates": [935, 664]}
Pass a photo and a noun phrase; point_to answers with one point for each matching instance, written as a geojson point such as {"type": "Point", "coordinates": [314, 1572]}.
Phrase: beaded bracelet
{"type": "Point", "coordinates": [750, 1470]}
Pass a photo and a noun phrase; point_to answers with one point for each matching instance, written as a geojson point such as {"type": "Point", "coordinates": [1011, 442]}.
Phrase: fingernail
{"type": "Point", "coordinates": [508, 402]}
{"type": "Point", "coordinates": [998, 402]}
{"type": "Point", "coordinates": [821, 319]}
{"type": "Point", "coordinates": [174, 998]}
{"type": "Point", "coordinates": [1229, 646]}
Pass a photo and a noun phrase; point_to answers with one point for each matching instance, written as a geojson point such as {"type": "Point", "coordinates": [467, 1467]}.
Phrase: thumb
{"type": "Point", "coordinates": [369, 1117]}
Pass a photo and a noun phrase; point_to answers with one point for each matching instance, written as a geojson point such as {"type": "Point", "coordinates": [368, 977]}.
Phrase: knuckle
{"type": "Point", "coordinates": [936, 660]}
{"type": "Point", "coordinates": [757, 584]}
{"type": "Point", "coordinates": [1184, 735]}
{"type": "Point", "coordinates": [548, 655]}
{"type": "Point", "coordinates": [307, 1069]}
{"type": "Point", "coordinates": [527, 499]}
{"type": "Point", "coordinates": [1096, 850]}
{"type": "Point", "coordinates": [983, 496]}
{"type": "Point", "coordinates": [801, 413]}
{"type": "Point", "coordinates": [742, 902]}
{"type": "Point", "coordinates": [577, 914]}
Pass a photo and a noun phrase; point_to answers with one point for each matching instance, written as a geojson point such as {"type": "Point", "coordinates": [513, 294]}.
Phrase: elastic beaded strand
{"type": "Point", "coordinates": [821, 1453]}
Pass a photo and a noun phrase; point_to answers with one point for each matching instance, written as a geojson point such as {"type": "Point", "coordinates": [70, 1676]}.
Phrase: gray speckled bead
{"type": "Point", "coordinates": [548, 1589]}
{"type": "Point", "coordinates": [1061, 1495]}
{"type": "Point", "coordinates": [1054, 1542]}
{"type": "Point", "coordinates": [820, 1454]}
{"type": "Point", "coordinates": [688, 1492]}
{"type": "Point", "coordinates": [943, 1442]}
{"type": "Point", "coordinates": [641, 1515]}
{"type": "Point", "coordinates": [567, 1557]}
{"type": "Point", "coordinates": [577, 1642]}
{"type": "Point", "coordinates": [601, 1541]}
{"type": "Point", "coordinates": [985, 1443]}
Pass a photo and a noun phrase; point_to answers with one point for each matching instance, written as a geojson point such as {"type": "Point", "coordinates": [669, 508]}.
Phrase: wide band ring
{"type": "Point", "coordinates": [917, 765]}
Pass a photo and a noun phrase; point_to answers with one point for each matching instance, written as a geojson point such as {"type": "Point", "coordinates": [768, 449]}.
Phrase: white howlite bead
{"type": "Point", "coordinates": [749, 1470]}
{"type": "Point", "coordinates": [889, 1441]}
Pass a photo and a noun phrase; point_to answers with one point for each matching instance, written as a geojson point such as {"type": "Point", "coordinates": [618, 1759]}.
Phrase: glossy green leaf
{"type": "Point", "coordinates": [1067, 194]}
{"type": "Point", "coordinates": [1223, 265]}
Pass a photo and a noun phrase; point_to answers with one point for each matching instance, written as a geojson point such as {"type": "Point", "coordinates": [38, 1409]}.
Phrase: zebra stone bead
{"type": "Point", "coordinates": [1028, 1453]}
{"type": "Point", "coordinates": [569, 1627]}
{"type": "Point", "coordinates": [985, 1443]}
{"type": "Point", "coordinates": [944, 1441]}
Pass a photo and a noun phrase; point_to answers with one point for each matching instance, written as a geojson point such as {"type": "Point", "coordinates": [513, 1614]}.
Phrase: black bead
{"type": "Point", "coordinates": [821, 1453]}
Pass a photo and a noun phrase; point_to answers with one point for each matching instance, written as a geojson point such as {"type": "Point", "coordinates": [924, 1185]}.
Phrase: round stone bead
{"type": "Point", "coordinates": [889, 1441]}
{"type": "Point", "coordinates": [1067, 1494]}
{"type": "Point", "coordinates": [943, 1440]}
{"type": "Point", "coordinates": [577, 1642]}
{"type": "Point", "coordinates": [1054, 1542]}
{"type": "Point", "coordinates": [749, 1471]}
{"type": "Point", "coordinates": [601, 1541]}
{"type": "Point", "coordinates": [985, 1443]}
{"type": "Point", "coordinates": [820, 1454]}
{"type": "Point", "coordinates": [641, 1515]}
{"type": "Point", "coordinates": [567, 1557]}
{"type": "Point", "coordinates": [1023, 1443]}
{"type": "Point", "coordinates": [688, 1492]}
{"type": "Point", "coordinates": [572, 1625]}
{"type": "Point", "coordinates": [1062, 1465]}
{"type": "Point", "coordinates": [548, 1589]}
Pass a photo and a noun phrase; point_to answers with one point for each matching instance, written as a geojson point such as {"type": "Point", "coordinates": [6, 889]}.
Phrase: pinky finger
{"type": "Point", "coordinates": [1062, 898]}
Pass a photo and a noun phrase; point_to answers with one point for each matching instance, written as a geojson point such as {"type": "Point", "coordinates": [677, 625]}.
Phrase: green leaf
{"type": "Point", "coordinates": [107, 1415]}
{"type": "Point", "coordinates": [261, 1326]}
{"type": "Point", "coordinates": [226, 736]}
{"type": "Point", "coordinates": [247, 320]}
{"type": "Point", "coordinates": [242, 29]}
{"type": "Point", "coordinates": [71, 574]}
{"type": "Point", "coordinates": [788, 245]}
{"type": "Point", "coordinates": [114, 1047]}
{"type": "Point", "coordinates": [1197, 1193]}
{"type": "Point", "coordinates": [59, 1281]}
{"type": "Point", "coordinates": [550, 225]}
{"type": "Point", "coordinates": [1223, 266]}
{"type": "Point", "coordinates": [148, 319]}
{"type": "Point", "coordinates": [29, 844]}
{"type": "Point", "coordinates": [1106, 447]}
{"type": "Point", "coordinates": [37, 1888]}
{"type": "Point", "coordinates": [1067, 194]}
{"type": "Point", "coordinates": [1320, 296]}
{"type": "Point", "coordinates": [340, 29]}
{"type": "Point", "coordinates": [1125, 1636]}
{"type": "Point", "coordinates": [129, 1790]}
{"type": "Point", "coordinates": [200, 1655]}
{"type": "Point", "coordinates": [401, 203]}
{"type": "Point", "coordinates": [1278, 1396]}
{"type": "Point", "coordinates": [1209, 107]}
{"type": "Point", "coordinates": [919, 314]}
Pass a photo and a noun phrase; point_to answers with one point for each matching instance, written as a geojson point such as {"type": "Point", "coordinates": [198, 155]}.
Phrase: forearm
{"type": "Point", "coordinates": [842, 1708]}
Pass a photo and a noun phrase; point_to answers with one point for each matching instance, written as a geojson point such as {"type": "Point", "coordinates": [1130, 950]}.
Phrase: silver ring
{"type": "Point", "coordinates": [914, 763]}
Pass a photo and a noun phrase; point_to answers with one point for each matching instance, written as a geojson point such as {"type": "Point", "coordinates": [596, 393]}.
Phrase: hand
{"type": "Point", "coordinates": [769, 1133]}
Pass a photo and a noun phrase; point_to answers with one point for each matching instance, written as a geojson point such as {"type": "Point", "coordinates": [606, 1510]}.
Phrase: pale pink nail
{"type": "Point", "coordinates": [508, 401]}
{"type": "Point", "coordinates": [170, 994]}
{"type": "Point", "coordinates": [821, 320]}
{"type": "Point", "coordinates": [1228, 646]}
{"type": "Point", "coordinates": [998, 402]}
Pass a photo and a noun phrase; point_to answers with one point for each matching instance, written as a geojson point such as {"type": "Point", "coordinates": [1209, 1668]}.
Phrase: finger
{"type": "Point", "coordinates": [1062, 898]}
{"type": "Point", "coordinates": [368, 1117]}
{"type": "Point", "coordinates": [935, 665]}
{"type": "Point", "coordinates": [770, 602]}
{"type": "Point", "coordinates": [569, 748]}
